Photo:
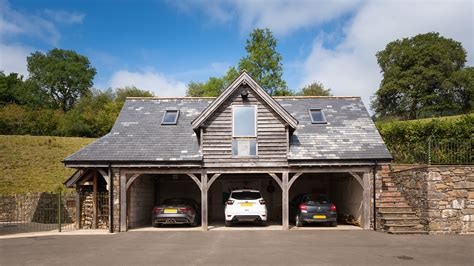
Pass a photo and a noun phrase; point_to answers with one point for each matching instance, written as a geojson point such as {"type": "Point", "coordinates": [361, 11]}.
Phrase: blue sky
{"type": "Point", "coordinates": [162, 45]}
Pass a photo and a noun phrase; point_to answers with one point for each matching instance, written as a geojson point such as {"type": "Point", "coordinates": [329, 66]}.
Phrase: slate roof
{"type": "Point", "coordinates": [138, 134]}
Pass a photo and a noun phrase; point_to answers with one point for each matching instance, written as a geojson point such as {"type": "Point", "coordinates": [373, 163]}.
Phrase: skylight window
{"type": "Point", "coordinates": [170, 117]}
{"type": "Point", "coordinates": [317, 116]}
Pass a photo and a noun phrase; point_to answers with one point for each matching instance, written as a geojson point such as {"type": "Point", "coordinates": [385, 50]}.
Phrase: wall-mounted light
{"type": "Point", "coordinates": [244, 94]}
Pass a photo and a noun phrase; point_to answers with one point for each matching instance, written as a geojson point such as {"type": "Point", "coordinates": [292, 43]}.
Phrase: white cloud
{"type": "Point", "coordinates": [13, 58]}
{"type": "Point", "coordinates": [158, 83]}
{"type": "Point", "coordinates": [62, 16]}
{"type": "Point", "coordinates": [281, 16]}
{"type": "Point", "coordinates": [351, 67]}
{"type": "Point", "coordinates": [14, 22]}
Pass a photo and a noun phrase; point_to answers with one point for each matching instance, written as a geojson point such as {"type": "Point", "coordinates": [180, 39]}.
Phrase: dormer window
{"type": "Point", "coordinates": [170, 117]}
{"type": "Point", "coordinates": [244, 130]}
{"type": "Point", "coordinates": [317, 116]}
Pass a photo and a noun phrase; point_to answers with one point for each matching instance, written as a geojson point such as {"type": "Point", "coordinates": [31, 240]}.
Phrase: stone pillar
{"type": "Point", "coordinates": [367, 200]}
{"type": "Point", "coordinates": [123, 202]}
{"type": "Point", "coordinates": [284, 202]}
{"type": "Point", "coordinates": [116, 200]}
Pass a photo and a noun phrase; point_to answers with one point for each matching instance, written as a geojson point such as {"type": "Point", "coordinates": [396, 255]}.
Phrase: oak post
{"type": "Point", "coordinates": [204, 200]}
{"type": "Point", "coordinates": [78, 207]}
{"type": "Point", "coordinates": [94, 201]}
{"type": "Point", "coordinates": [284, 201]}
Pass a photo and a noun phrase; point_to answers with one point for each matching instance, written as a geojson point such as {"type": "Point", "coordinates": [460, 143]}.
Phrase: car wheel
{"type": "Point", "coordinates": [334, 224]}
{"type": "Point", "coordinates": [228, 223]}
{"type": "Point", "coordinates": [194, 223]}
{"type": "Point", "coordinates": [298, 222]}
{"type": "Point", "coordinates": [263, 223]}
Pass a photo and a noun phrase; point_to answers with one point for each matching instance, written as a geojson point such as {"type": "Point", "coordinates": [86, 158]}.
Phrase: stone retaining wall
{"type": "Point", "coordinates": [442, 196]}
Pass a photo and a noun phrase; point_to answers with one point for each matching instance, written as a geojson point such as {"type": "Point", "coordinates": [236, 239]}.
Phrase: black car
{"type": "Point", "coordinates": [177, 211]}
{"type": "Point", "coordinates": [313, 208]}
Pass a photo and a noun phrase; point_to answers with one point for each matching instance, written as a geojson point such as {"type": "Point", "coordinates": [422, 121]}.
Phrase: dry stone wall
{"type": "Point", "coordinates": [442, 196]}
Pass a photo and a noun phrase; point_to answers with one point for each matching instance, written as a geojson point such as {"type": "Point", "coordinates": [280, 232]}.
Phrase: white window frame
{"type": "Point", "coordinates": [175, 120]}
{"type": "Point", "coordinates": [324, 121]}
{"type": "Point", "coordinates": [234, 137]}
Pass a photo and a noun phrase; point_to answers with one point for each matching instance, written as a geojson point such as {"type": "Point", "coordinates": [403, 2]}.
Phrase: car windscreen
{"type": "Point", "coordinates": [174, 202]}
{"type": "Point", "coordinates": [246, 195]}
{"type": "Point", "coordinates": [320, 199]}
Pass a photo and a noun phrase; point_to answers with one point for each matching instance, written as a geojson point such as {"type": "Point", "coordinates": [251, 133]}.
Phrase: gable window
{"type": "Point", "coordinates": [244, 130]}
{"type": "Point", "coordinates": [317, 116]}
{"type": "Point", "coordinates": [170, 117]}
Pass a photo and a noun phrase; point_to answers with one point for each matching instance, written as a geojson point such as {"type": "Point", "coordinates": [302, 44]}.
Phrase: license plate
{"type": "Point", "coordinates": [246, 204]}
{"type": "Point", "coordinates": [171, 210]}
{"type": "Point", "coordinates": [319, 217]}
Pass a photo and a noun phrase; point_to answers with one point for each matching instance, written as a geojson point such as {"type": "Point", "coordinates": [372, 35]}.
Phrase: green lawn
{"type": "Point", "coordinates": [33, 163]}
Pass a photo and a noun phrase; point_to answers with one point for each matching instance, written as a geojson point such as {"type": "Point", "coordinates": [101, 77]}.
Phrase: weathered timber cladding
{"type": "Point", "coordinates": [271, 135]}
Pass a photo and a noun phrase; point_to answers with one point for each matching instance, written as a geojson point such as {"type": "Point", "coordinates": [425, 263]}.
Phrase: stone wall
{"type": "Point", "coordinates": [442, 196]}
{"type": "Point", "coordinates": [141, 195]}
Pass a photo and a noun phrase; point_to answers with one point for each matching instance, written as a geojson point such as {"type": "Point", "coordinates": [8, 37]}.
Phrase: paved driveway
{"type": "Point", "coordinates": [239, 247]}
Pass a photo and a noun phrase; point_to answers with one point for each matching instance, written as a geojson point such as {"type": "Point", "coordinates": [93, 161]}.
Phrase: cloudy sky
{"type": "Point", "coordinates": [163, 45]}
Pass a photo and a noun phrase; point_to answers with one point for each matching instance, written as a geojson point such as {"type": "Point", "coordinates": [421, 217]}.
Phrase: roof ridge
{"type": "Point", "coordinates": [212, 98]}
{"type": "Point", "coordinates": [168, 98]}
{"type": "Point", "coordinates": [313, 97]}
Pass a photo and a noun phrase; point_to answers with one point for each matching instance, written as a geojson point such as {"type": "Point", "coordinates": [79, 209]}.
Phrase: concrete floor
{"type": "Point", "coordinates": [243, 247]}
{"type": "Point", "coordinates": [217, 226]}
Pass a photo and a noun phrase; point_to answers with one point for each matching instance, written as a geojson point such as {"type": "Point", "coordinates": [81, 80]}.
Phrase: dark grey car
{"type": "Point", "coordinates": [313, 208]}
{"type": "Point", "coordinates": [177, 211]}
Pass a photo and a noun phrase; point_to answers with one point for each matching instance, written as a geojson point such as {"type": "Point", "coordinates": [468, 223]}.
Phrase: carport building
{"type": "Point", "coordinates": [202, 148]}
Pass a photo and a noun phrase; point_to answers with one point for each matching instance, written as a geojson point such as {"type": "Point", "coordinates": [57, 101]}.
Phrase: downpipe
{"type": "Point", "coordinates": [374, 171]}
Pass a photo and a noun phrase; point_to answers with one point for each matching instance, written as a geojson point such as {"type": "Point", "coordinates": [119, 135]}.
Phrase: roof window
{"type": "Point", "coordinates": [317, 116]}
{"type": "Point", "coordinates": [170, 117]}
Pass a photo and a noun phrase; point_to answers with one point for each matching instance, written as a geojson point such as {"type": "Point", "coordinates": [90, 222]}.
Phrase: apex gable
{"type": "Point", "coordinates": [245, 80]}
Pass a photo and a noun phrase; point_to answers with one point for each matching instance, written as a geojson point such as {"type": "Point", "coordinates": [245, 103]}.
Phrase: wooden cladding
{"type": "Point", "coordinates": [272, 139]}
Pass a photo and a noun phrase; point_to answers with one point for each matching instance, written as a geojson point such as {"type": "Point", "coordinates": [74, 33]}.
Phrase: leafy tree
{"type": "Point", "coordinates": [263, 62]}
{"type": "Point", "coordinates": [422, 76]}
{"type": "Point", "coordinates": [213, 87]}
{"type": "Point", "coordinates": [9, 88]}
{"type": "Point", "coordinates": [63, 74]}
{"type": "Point", "coordinates": [314, 89]}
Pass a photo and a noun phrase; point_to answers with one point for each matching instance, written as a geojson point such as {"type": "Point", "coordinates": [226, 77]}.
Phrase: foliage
{"type": "Point", "coordinates": [15, 90]}
{"type": "Point", "coordinates": [408, 140]}
{"type": "Point", "coordinates": [213, 87]}
{"type": "Point", "coordinates": [33, 164]}
{"type": "Point", "coordinates": [314, 89]}
{"type": "Point", "coordinates": [92, 116]}
{"type": "Point", "coordinates": [423, 76]}
{"type": "Point", "coordinates": [63, 74]}
{"type": "Point", "coordinates": [262, 62]}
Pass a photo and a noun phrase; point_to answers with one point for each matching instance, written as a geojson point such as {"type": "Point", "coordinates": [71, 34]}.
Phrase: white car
{"type": "Point", "coordinates": [245, 205]}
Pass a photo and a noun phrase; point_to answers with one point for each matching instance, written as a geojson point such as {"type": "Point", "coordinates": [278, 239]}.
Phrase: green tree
{"type": "Point", "coordinates": [213, 87]}
{"type": "Point", "coordinates": [314, 89]}
{"type": "Point", "coordinates": [63, 74]}
{"type": "Point", "coordinates": [263, 62]}
{"type": "Point", "coordinates": [419, 78]}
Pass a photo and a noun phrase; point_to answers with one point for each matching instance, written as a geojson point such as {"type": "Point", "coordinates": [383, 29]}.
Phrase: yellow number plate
{"type": "Point", "coordinates": [171, 211]}
{"type": "Point", "coordinates": [319, 217]}
{"type": "Point", "coordinates": [246, 204]}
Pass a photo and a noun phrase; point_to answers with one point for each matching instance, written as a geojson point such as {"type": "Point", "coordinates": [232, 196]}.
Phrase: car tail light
{"type": "Point", "coordinates": [303, 207]}
{"type": "Point", "coordinates": [262, 202]}
{"type": "Point", "coordinates": [230, 202]}
{"type": "Point", "coordinates": [157, 210]}
{"type": "Point", "coordinates": [333, 207]}
{"type": "Point", "coordinates": [185, 209]}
